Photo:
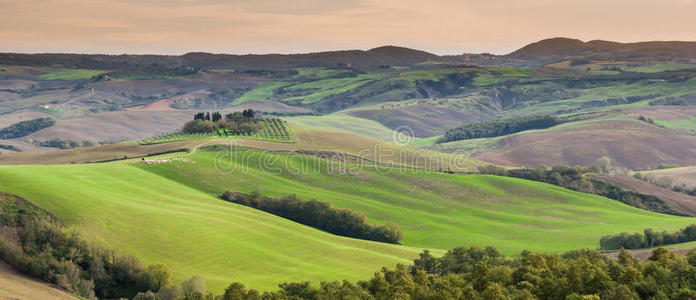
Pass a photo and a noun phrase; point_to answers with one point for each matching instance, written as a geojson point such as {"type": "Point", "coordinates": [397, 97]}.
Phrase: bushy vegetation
{"type": "Point", "coordinates": [320, 215]}
{"type": "Point", "coordinates": [572, 178]}
{"type": "Point", "coordinates": [648, 239]}
{"type": "Point", "coordinates": [35, 243]}
{"type": "Point", "coordinates": [25, 128]}
{"type": "Point", "coordinates": [9, 147]}
{"type": "Point", "coordinates": [497, 128]}
{"type": "Point", "coordinates": [58, 143]}
{"type": "Point", "coordinates": [646, 120]}
{"type": "Point", "coordinates": [474, 273]}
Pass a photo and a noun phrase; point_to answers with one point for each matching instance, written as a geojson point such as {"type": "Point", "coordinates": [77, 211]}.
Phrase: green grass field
{"type": "Point", "coordinates": [689, 123]}
{"type": "Point", "coordinates": [435, 210]}
{"type": "Point", "coordinates": [136, 212]}
{"type": "Point", "coordinates": [658, 67]}
{"type": "Point", "coordinates": [262, 92]}
{"type": "Point", "coordinates": [169, 213]}
{"type": "Point", "coordinates": [70, 74]}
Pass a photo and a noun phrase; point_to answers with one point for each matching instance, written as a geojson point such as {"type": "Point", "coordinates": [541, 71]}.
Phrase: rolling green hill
{"type": "Point", "coordinates": [434, 210]}
{"type": "Point", "coordinates": [161, 221]}
{"type": "Point", "coordinates": [167, 212]}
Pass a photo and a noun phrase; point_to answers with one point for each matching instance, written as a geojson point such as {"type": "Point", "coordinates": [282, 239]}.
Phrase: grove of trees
{"type": "Point", "coordinates": [498, 127]}
{"type": "Point", "coordinates": [235, 123]}
{"type": "Point", "coordinates": [320, 215]}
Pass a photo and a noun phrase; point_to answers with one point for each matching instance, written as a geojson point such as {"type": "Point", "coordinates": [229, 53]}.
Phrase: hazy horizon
{"type": "Point", "coordinates": [444, 27]}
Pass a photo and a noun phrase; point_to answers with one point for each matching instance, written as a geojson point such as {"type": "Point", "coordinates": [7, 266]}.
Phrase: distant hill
{"type": "Point", "coordinates": [386, 55]}
{"type": "Point", "coordinates": [556, 49]}
{"type": "Point", "coordinates": [534, 54]}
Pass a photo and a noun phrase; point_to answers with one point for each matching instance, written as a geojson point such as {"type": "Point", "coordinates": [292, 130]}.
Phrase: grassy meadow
{"type": "Point", "coordinates": [434, 210]}
{"type": "Point", "coordinates": [70, 74]}
{"type": "Point", "coordinates": [169, 213]}
{"type": "Point", "coordinates": [158, 220]}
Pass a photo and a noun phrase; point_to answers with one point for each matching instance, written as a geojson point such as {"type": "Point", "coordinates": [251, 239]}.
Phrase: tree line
{"type": "Point", "coordinates": [320, 215]}
{"type": "Point", "coordinates": [236, 123]}
{"type": "Point", "coordinates": [483, 274]}
{"type": "Point", "coordinates": [25, 128]}
{"type": "Point", "coordinates": [648, 239]}
{"type": "Point", "coordinates": [572, 178]}
{"type": "Point", "coordinates": [498, 128]}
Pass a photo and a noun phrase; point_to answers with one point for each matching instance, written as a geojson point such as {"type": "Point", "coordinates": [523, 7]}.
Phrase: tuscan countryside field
{"type": "Point", "coordinates": [488, 164]}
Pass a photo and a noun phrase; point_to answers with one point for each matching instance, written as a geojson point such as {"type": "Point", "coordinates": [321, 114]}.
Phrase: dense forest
{"type": "Point", "coordinates": [648, 239]}
{"type": "Point", "coordinates": [498, 128]}
{"type": "Point", "coordinates": [25, 128]}
{"type": "Point", "coordinates": [572, 178]}
{"type": "Point", "coordinates": [320, 215]}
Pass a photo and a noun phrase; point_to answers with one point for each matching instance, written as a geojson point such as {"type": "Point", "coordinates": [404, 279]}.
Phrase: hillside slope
{"type": "Point", "coordinates": [161, 221]}
{"type": "Point", "coordinates": [434, 210]}
{"type": "Point", "coordinates": [555, 49]}
{"type": "Point", "coordinates": [627, 142]}
{"type": "Point", "coordinates": [680, 201]}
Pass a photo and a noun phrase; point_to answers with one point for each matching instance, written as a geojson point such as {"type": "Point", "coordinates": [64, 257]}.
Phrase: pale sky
{"type": "Point", "coordinates": [299, 26]}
